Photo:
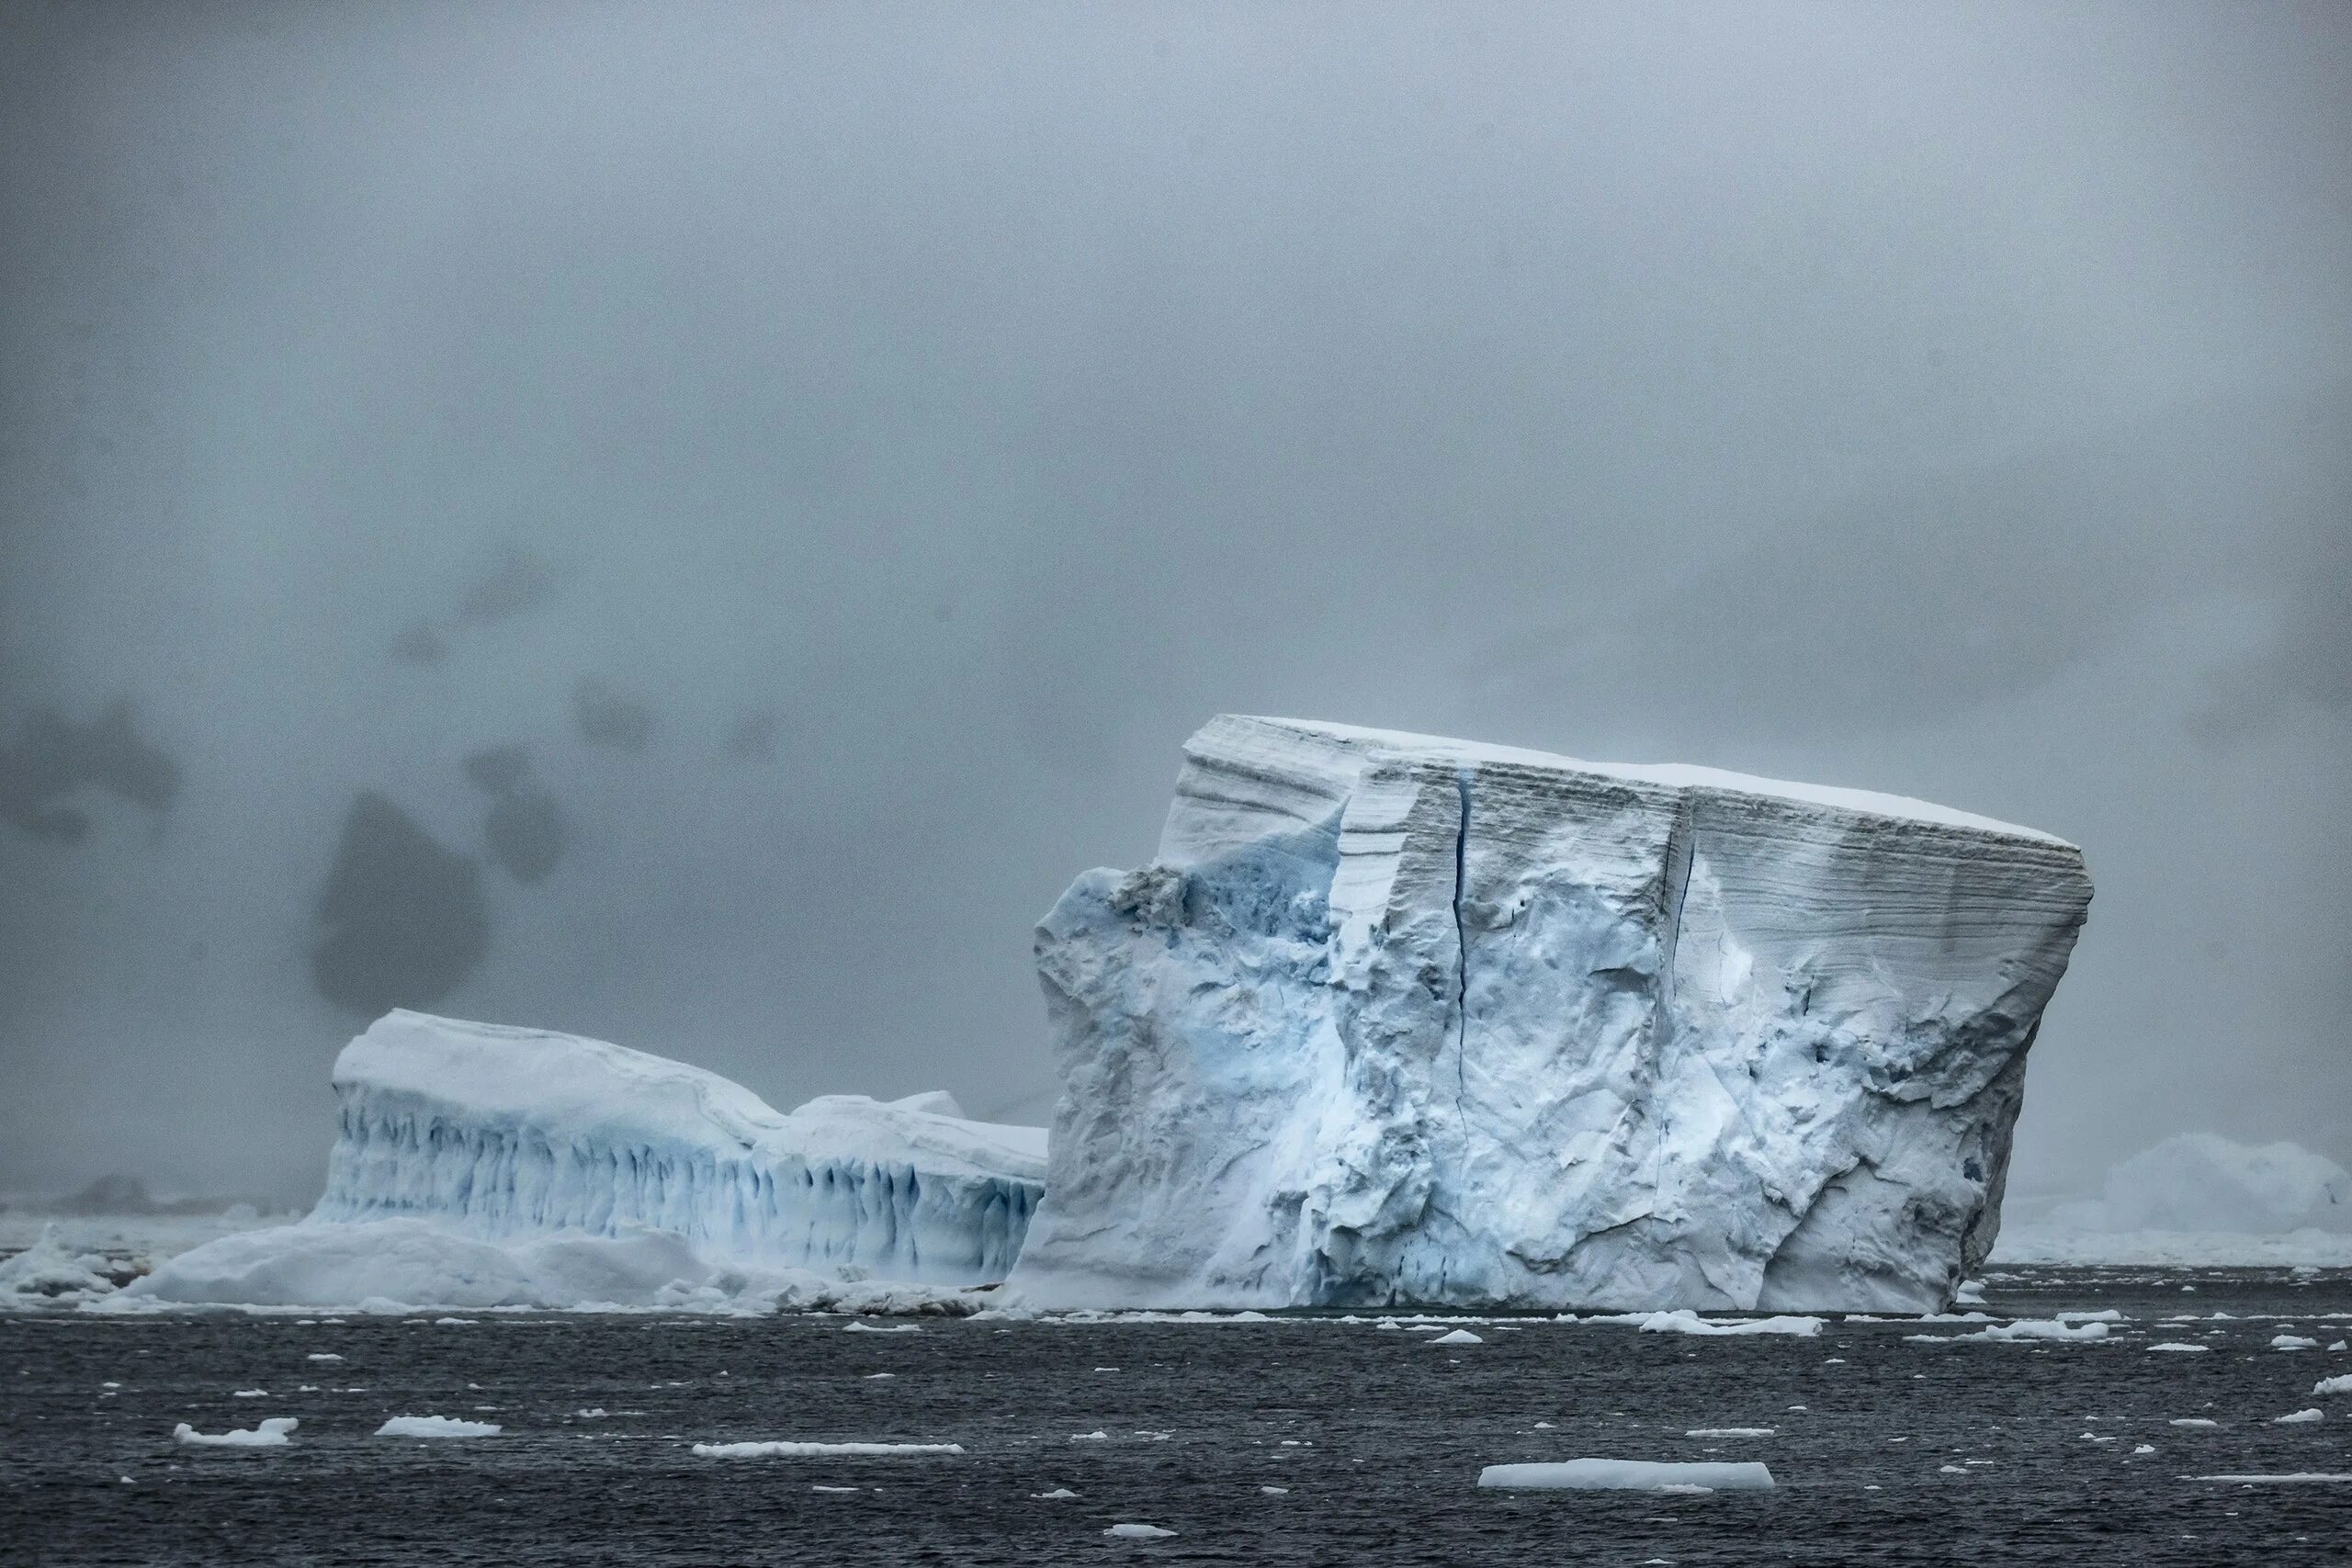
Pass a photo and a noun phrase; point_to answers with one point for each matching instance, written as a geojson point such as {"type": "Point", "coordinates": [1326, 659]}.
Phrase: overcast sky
{"type": "Point", "coordinates": [848, 448]}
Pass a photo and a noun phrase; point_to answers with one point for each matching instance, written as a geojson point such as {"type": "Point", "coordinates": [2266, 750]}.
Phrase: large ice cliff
{"type": "Point", "coordinates": [482, 1165]}
{"type": "Point", "coordinates": [1399, 1019]}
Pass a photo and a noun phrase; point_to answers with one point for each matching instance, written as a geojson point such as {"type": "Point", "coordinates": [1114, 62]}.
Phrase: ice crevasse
{"type": "Point", "coordinates": [482, 1165]}
{"type": "Point", "coordinates": [1393, 1018]}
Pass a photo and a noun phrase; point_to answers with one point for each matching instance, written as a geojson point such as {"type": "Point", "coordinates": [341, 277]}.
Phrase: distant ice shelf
{"type": "Point", "coordinates": [1394, 1018]}
{"type": "Point", "coordinates": [477, 1164]}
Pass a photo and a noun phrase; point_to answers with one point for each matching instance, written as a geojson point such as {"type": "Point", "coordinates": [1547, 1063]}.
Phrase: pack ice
{"type": "Point", "coordinates": [1399, 1019]}
{"type": "Point", "coordinates": [483, 1166]}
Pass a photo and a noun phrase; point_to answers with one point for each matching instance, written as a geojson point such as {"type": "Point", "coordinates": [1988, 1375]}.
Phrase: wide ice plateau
{"type": "Point", "coordinates": [481, 1166]}
{"type": "Point", "coordinates": [1394, 1019]}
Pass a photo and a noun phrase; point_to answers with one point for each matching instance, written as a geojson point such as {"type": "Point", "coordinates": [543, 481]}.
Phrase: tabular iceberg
{"type": "Point", "coordinates": [1399, 1019]}
{"type": "Point", "coordinates": [483, 1166]}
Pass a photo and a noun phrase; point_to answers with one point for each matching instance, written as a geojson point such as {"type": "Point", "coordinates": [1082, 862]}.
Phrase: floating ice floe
{"type": "Point", "coordinates": [2193, 1421]}
{"type": "Point", "coordinates": [2181, 1347]}
{"type": "Point", "coordinates": [2289, 1477]}
{"type": "Point", "coordinates": [816, 1451]}
{"type": "Point", "coordinates": [1057, 1494]}
{"type": "Point", "coordinates": [2298, 1417]}
{"type": "Point", "coordinates": [437, 1426]}
{"type": "Point", "coordinates": [1630, 1475]}
{"type": "Point", "coordinates": [1683, 1320]}
{"type": "Point", "coordinates": [2024, 1330]}
{"type": "Point", "coordinates": [2293, 1342]}
{"type": "Point", "coordinates": [1139, 1532]}
{"type": "Point", "coordinates": [269, 1434]}
{"type": "Point", "coordinates": [1733, 1432]}
{"type": "Point", "coordinates": [2334, 1385]}
{"type": "Point", "coordinates": [1459, 1337]}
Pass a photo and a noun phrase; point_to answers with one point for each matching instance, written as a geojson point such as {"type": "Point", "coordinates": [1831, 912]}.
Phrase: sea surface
{"type": "Point", "coordinates": [1303, 1438]}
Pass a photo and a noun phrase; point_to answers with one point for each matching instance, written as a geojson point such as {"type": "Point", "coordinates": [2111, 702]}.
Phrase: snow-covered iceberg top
{"type": "Point", "coordinates": [478, 1164]}
{"type": "Point", "coordinates": [1393, 1018]}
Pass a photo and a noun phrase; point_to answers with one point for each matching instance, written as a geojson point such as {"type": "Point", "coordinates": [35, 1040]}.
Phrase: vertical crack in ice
{"type": "Point", "coordinates": [1461, 943]}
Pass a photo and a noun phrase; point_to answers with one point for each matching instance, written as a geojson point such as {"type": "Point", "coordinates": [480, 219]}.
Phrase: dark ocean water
{"type": "Point", "coordinates": [1377, 1437]}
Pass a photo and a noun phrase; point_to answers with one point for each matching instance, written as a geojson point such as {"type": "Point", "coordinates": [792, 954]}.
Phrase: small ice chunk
{"type": "Point", "coordinates": [1627, 1475]}
{"type": "Point", "coordinates": [2298, 1417]}
{"type": "Point", "coordinates": [1057, 1494]}
{"type": "Point", "coordinates": [814, 1451]}
{"type": "Point", "coordinates": [2194, 1421]}
{"type": "Point", "coordinates": [2143, 1447]}
{"type": "Point", "coordinates": [2334, 1385]}
{"type": "Point", "coordinates": [1139, 1532]}
{"type": "Point", "coordinates": [2288, 1476]}
{"type": "Point", "coordinates": [270, 1434]}
{"type": "Point", "coordinates": [1733, 1432]}
{"type": "Point", "coordinates": [880, 1328]}
{"type": "Point", "coordinates": [1459, 1337]}
{"type": "Point", "coordinates": [2181, 1347]}
{"type": "Point", "coordinates": [591, 1412]}
{"type": "Point", "coordinates": [2340, 1345]}
{"type": "Point", "coordinates": [2108, 1314]}
{"type": "Point", "coordinates": [2293, 1342]}
{"type": "Point", "coordinates": [1971, 1292]}
{"type": "Point", "coordinates": [1950, 1469]}
{"type": "Point", "coordinates": [251, 1393]}
{"type": "Point", "coordinates": [436, 1427]}
{"type": "Point", "coordinates": [833, 1488]}
{"type": "Point", "coordinates": [323, 1355]}
{"type": "Point", "coordinates": [1275, 1491]}
{"type": "Point", "coordinates": [1096, 1435]}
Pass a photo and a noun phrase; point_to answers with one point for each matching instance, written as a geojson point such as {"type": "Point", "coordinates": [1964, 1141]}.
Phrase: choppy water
{"type": "Point", "coordinates": [1376, 1436]}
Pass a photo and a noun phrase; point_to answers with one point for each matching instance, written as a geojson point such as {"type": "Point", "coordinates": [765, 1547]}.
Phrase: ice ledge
{"type": "Point", "coordinates": [1666, 775]}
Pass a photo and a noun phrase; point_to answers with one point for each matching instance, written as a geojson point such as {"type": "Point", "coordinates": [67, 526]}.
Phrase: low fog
{"type": "Point", "coordinates": [716, 514]}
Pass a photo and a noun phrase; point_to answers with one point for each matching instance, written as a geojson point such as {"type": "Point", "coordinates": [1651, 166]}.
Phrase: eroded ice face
{"type": "Point", "coordinates": [1397, 1018]}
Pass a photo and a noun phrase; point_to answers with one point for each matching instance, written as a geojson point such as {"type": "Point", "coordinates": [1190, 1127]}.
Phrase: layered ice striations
{"type": "Point", "coordinates": [504, 1132]}
{"type": "Point", "coordinates": [1398, 1019]}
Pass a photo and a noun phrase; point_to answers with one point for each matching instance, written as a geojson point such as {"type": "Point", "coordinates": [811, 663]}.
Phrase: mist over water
{"type": "Point", "coordinates": [691, 526]}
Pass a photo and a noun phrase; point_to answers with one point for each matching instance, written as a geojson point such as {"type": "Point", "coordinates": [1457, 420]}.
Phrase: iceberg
{"type": "Point", "coordinates": [2200, 1198]}
{"type": "Point", "coordinates": [481, 1166]}
{"type": "Point", "coordinates": [1397, 1019]}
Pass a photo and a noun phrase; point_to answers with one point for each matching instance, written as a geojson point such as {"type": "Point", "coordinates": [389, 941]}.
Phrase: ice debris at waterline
{"type": "Point", "coordinates": [480, 1167]}
{"type": "Point", "coordinates": [1399, 1019]}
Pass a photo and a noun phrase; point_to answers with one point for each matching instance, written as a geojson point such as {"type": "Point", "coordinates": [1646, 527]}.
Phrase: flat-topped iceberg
{"type": "Point", "coordinates": [483, 1165]}
{"type": "Point", "coordinates": [1399, 1019]}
